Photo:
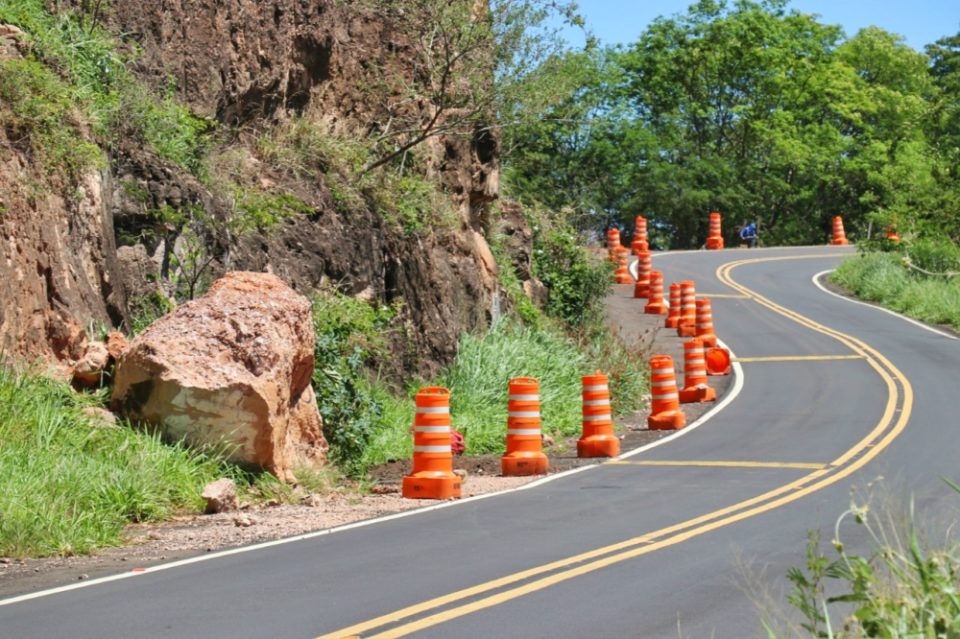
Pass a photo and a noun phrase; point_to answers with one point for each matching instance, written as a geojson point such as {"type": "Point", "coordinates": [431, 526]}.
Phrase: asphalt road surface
{"type": "Point", "coordinates": [831, 395]}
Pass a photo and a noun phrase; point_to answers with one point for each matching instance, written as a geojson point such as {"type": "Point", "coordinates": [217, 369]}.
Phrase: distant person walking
{"type": "Point", "coordinates": [748, 235]}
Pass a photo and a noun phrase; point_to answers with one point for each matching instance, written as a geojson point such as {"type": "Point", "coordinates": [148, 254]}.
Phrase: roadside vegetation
{"type": "Point", "coordinates": [919, 278]}
{"type": "Point", "coordinates": [904, 585]}
{"type": "Point", "coordinates": [69, 482]}
{"type": "Point", "coordinates": [367, 422]}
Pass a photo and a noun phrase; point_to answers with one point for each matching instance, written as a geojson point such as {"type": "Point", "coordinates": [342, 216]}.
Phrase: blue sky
{"type": "Point", "coordinates": [920, 22]}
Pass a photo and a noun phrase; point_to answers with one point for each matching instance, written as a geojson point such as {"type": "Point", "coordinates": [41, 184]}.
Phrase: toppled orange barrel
{"type": "Point", "coordinates": [622, 274]}
{"type": "Point", "coordinates": [673, 316]}
{"type": "Point", "coordinates": [655, 304]}
{"type": "Point", "coordinates": [695, 388]}
{"type": "Point", "coordinates": [718, 360]}
{"type": "Point", "coordinates": [687, 324]}
{"type": "Point", "coordinates": [715, 239]}
{"type": "Point", "coordinates": [598, 439]}
{"type": "Point", "coordinates": [644, 266]}
{"type": "Point", "coordinates": [665, 413]}
{"type": "Point", "coordinates": [432, 476]}
{"type": "Point", "coordinates": [705, 323]}
{"type": "Point", "coordinates": [524, 454]}
{"type": "Point", "coordinates": [839, 237]}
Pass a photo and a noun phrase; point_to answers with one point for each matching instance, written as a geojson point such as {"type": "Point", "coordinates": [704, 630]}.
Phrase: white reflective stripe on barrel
{"type": "Point", "coordinates": [699, 362]}
{"type": "Point", "coordinates": [524, 413]}
{"type": "Point", "coordinates": [668, 382]}
{"type": "Point", "coordinates": [596, 402]}
{"type": "Point", "coordinates": [525, 398]}
{"type": "Point", "coordinates": [431, 449]}
{"type": "Point", "coordinates": [663, 371]}
{"type": "Point", "coordinates": [598, 387]}
{"type": "Point", "coordinates": [666, 396]}
{"type": "Point", "coordinates": [695, 351]}
{"type": "Point", "coordinates": [597, 418]}
{"type": "Point", "coordinates": [523, 431]}
{"type": "Point", "coordinates": [428, 410]}
{"type": "Point", "coordinates": [431, 429]}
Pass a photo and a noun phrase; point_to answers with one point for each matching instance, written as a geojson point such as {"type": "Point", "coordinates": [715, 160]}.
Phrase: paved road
{"type": "Point", "coordinates": [647, 547]}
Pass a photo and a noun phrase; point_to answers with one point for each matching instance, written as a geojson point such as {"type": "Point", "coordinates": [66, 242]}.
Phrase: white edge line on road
{"type": "Point", "coordinates": [816, 280]}
{"type": "Point", "coordinates": [729, 397]}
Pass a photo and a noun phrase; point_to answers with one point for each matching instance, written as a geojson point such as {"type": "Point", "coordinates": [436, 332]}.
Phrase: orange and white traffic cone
{"type": "Point", "coordinates": [622, 274]}
{"type": "Point", "coordinates": [598, 439]}
{"type": "Point", "coordinates": [705, 323]}
{"type": "Point", "coordinates": [839, 237]}
{"type": "Point", "coordinates": [655, 304]}
{"type": "Point", "coordinates": [687, 325]}
{"type": "Point", "coordinates": [665, 413]}
{"type": "Point", "coordinates": [673, 315]}
{"type": "Point", "coordinates": [715, 239]}
{"type": "Point", "coordinates": [524, 454]}
{"type": "Point", "coordinates": [695, 388]}
{"type": "Point", "coordinates": [644, 266]}
{"type": "Point", "coordinates": [432, 476]}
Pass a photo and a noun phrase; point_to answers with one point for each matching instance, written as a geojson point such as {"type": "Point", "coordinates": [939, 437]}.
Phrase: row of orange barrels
{"type": "Point", "coordinates": [640, 245]}
{"type": "Point", "coordinates": [432, 476]}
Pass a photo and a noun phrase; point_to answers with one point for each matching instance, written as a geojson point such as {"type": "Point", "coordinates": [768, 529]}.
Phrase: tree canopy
{"type": "Point", "coordinates": [757, 111]}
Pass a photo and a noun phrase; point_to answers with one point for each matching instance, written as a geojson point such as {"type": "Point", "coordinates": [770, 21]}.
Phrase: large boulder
{"type": "Point", "coordinates": [231, 368]}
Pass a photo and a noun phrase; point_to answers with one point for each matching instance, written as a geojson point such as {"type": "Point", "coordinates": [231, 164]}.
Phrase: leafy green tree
{"type": "Point", "coordinates": [751, 109]}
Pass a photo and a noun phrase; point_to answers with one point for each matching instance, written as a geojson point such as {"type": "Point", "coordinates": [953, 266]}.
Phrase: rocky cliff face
{"type": "Point", "coordinates": [246, 63]}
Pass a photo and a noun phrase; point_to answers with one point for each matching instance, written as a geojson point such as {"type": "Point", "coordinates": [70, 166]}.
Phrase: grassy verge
{"type": "Point", "coordinates": [882, 278]}
{"type": "Point", "coordinates": [68, 486]}
{"type": "Point", "coordinates": [478, 384]}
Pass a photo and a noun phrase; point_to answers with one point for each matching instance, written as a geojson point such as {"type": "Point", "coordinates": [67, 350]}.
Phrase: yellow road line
{"type": "Point", "coordinates": [899, 400]}
{"type": "Point", "coordinates": [725, 296]}
{"type": "Point", "coordinates": [795, 358]}
{"type": "Point", "coordinates": [717, 464]}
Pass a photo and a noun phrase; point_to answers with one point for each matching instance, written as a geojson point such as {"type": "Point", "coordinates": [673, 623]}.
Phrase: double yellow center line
{"type": "Point", "coordinates": [491, 593]}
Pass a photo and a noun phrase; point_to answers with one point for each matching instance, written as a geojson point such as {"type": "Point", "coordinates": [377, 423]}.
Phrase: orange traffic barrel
{"type": "Point", "coordinates": [695, 388]}
{"type": "Point", "coordinates": [432, 476]}
{"type": "Point", "coordinates": [718, 361]}
{"type": "Point", "coordinates": [655, 304]}
{"type": "Point", "coordinates": [892, 234]}
{"type": "Point", "coordinates": [613, 238]}
{"type": "Point", "coordinates": [673, 316]}
{"type": "Point", "coordinates": [598, 439]}
{"type": "Point", "coordinates": [839, 237]}
{"type": "Point", "coordinates": [705, 323]}
{"type": "Point", "coordinates": [687, 325]}
{"type": "Point", "coordinates": [640, 236]}
{"type": "Point", "coordinates": [715, 239]}
{"type": "Point", "coordinates": [622, 274]}
{"type": "Point", "coordinates": [640, 227]}
{"type": "Point", "coordinates": [524, 454]}
{"type": "Point", "coordinates": [644, 266]}
{"type": "Point", "coordinates": [665, 413]}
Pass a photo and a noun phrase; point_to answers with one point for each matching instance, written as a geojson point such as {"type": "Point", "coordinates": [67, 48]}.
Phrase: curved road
{"type": "Point", "coordinates": [833, 395]}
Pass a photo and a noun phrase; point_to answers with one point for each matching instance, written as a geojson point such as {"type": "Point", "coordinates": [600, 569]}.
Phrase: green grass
{"type": "Point", "coordinates": [882, 278]}
{"type": "Point", "coordinates": [41, 116]}
{"type": "Point", "coordinates": [88, 62]}
{"type": "Point", "coordinates": [478, 385]}
{"type": "Point", "coordinates": [67, 487]}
